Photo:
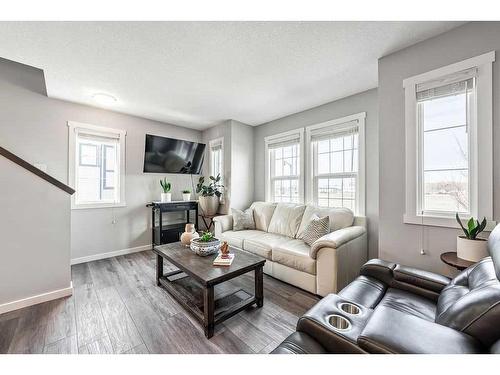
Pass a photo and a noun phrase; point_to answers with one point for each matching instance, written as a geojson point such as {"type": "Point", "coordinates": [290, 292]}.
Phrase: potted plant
{"type": "Point", "coordinates": [205, 245]}
{"type": "Point", "coordinates": [166, 186]}
{"type": "Point", "coordinates": [209, 194]}
{"type": "Point", "coordinates": [186, 195]}
{"type": "Point", "coordinates": [469, 247]}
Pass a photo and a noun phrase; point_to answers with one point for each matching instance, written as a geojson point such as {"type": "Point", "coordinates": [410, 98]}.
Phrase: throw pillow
{"type": "Point", "coordinates": [317, 227]}
{"type": "Point", "coordinates": [243, 219]}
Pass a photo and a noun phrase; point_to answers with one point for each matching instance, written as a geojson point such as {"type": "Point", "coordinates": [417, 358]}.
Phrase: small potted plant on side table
{"type": "Point", "coordinates": [186, 195]}
{"type": "Point", "coordinates": [469, 247]}
{"type": "Point", "coordinates": [166, 186]}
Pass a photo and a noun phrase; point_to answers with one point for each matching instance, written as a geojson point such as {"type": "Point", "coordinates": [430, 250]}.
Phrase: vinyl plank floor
{"type": "Point", "coordinates": [116, 307]}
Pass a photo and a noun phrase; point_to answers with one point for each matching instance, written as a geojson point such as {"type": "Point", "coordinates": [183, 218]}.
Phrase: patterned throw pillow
{"type": "Point", "coordinates": [243, 219]}
{"type": "Point", "coordinates": [317, 227]}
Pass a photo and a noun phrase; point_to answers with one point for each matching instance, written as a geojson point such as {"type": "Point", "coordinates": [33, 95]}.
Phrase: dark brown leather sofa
{"type": "Point", "coordinates": [392, 308]}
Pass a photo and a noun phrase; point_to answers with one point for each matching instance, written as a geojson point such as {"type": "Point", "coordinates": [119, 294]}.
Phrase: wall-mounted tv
{"type": "Point", "coordinates": [168, 155]}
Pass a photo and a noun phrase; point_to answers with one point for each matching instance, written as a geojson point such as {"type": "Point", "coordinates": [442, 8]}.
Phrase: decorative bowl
{"type": "Point", "coordinates": [204, 248]}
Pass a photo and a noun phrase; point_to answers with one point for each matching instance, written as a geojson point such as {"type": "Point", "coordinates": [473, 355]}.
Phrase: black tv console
{"type": "Point", "coordinates": [167, 233]}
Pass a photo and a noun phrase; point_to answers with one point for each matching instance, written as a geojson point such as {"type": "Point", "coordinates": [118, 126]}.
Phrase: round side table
{"type": "Point", "coordinates": [450, 258]}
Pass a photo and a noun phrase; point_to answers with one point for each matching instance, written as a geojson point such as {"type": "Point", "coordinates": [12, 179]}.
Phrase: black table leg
{"type": "Point", "coordinates": [208, 310]}
{"type": "Point", "coordinates": [159, 268]}
{"type": "Point", "coordinates": [259, 286]}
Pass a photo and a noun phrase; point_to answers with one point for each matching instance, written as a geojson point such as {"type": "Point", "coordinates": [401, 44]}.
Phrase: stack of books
{"type": "Point", "coordinates": [223, 260]}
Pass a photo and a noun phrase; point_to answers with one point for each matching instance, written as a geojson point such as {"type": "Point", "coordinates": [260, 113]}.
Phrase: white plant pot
{"type": "Point", "coordinates": [186, 197]}
{"type": "Point", "coordinates": [209, 205]}
{"type": "Point", "coordinates": [471, 250]}
{"type": "Point", "coordinates": [166, 197]}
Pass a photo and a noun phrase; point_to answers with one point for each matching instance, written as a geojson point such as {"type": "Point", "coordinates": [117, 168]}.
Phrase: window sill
{"type": "Point", "coordinates": [439, 221]}
{"type": "Point", "coordinates": [97, 205]}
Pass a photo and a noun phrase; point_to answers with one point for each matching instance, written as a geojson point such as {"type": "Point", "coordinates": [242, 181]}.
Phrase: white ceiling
{"type": "Point", "coordinates": [196, 74]}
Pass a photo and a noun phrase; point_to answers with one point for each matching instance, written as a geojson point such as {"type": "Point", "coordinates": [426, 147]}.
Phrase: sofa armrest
{"type": "Point", "coordinates": [336, 239]}
{"type": "Point", "coordinates": [413, 335]}
{"type": "Point", "coordinates": [420, 278]}
{"type": "Point", "coordinates": [379, 269]}
{"type": "Point", "coordinates": [222, 224]}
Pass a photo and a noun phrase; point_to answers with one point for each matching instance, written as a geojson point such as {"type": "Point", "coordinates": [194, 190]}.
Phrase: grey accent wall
{"type": "Point", "coordinates": [362, 102]}
{"type": "Point", "coordinates": [398, 241]}
{"type": "Point", "coordinates": [34, 127]}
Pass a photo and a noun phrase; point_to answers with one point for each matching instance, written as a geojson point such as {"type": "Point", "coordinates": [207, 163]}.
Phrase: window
{"type": "Point", "coordinates": [217, 157]}
{"type": "Point", "coordinates": [284, 181]}
{"type": "Point", "coordinates": [96, 162]}
{"type": "Point", "coordinates": [336, 152]}
{"type": "Point", "coordinates": [449, 143]}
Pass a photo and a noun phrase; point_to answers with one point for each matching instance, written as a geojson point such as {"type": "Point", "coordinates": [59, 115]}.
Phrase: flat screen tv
{"type": "Point", "coordinates": [168, 155]}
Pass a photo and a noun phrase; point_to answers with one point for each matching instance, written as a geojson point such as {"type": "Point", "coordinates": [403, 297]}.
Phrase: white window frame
{"type": "Point", "coordinates": [333, 126]}
{"type": "Point", "coordinates": [211, 144]}
{"type": "Point", "coordinates": [103, 131]}
{"type": "Point", "coordinates": [480, 158]}
{"type": "Point", "coordinates": [278, 138]}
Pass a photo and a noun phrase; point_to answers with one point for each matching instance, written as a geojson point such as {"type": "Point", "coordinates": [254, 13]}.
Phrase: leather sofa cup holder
{"type": "Point", "coordinates": [339, 323]}
{"type": "Point", "coordinates": [350, 308]}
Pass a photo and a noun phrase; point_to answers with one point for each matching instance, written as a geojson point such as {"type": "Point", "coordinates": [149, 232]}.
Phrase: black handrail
{"type": "Point", "coordinates": [23, 163]}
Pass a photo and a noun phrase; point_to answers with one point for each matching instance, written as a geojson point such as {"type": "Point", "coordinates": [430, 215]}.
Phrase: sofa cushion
{"type": "Point", "coordinates": [317, 228]}
{"type": "Point", "coordinates": [409, 303]}
{"type": "Point", "coordinates": [339, 217]}
{"type": "Point", "coordinates": [263, 244]}
{"type": "Point", "coordinates": [294, 254]}
{"type": "Point", "coordinates": [235, 238]}
{"type": "Point", "coordinates": [286, 219]}
{"type": "Point", "coordinates": [243, 219]}
{"type": "Point", "coordinates": [262, 214]}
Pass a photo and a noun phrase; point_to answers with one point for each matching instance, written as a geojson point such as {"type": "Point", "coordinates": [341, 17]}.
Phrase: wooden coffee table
{"type": "Point", "coordinates": [192, 285]}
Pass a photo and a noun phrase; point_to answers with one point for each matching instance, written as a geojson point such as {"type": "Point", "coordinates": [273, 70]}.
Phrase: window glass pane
{"type": "Point", "coordinates": [355, 161]}
{"type": "Point", "coordinates": [347, 142]}
{"type": "Point", "coordinates": [323, 202]}
{"type": "Point", "coordinates": [349, 188]}
{"type": "Point", "coordinates": [446, 191]}
{"type": "Point", "coordinates": [287, 166]}
{"type": "Point", "coordinates": [88, 154]}
{"type": "Point", "coordinates": [335, 188]}
{"type": "Point", "coordinates": [337, 162]}
{"type": "Point", "coordinates": [278, 167]}
{"type": "Point", "coordinates": [110, 158]}
{"type": "Point", "coordinates": [348, 203]}
{"type": "Point", "coordinates": [336, 144]}
{"type": "Point", "coordinates": [445, 149]}
{"type": "Point", "coordinates": [323, 163]}
{"type": "Point", "coordinates": [323, 189]}
{"type": "Point", "coordinates": [323, 146]}
{"type": "Point", "coordinates": [287, 152]}
{"type": "Point", "coordinates": [348, 167]}
{"type": "Point", "coordinates": [335, 202]}
{"type": "Point", "coordinates": [444, 112]}
{"type": "Point", "coordinates": [109, 180]}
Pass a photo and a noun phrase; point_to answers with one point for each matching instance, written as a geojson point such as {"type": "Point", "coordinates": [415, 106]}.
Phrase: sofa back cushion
{"type": "Point", "coordinates": [286, 219]}
{"type": "Point", "coordinates": [262, 214]}
{"type": "Point", "coordinates": [339, 217]}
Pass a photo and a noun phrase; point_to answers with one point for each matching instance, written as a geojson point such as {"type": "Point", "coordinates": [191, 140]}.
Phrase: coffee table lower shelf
{"type": "Point", "coordinates": [200, 300]}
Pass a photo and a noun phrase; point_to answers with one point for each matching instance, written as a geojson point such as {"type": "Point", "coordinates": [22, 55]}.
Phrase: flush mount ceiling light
{"type": "Point", "coordinates": [104, 99]}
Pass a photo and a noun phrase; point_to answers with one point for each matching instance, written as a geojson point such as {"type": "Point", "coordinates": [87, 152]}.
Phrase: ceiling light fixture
{"type": "Point", "coordinates": [104, 99]}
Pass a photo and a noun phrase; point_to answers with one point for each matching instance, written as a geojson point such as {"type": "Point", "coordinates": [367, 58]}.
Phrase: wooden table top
{"type": "Point", "coordinates": [451, 259]}
{"type": "Point", "coordinates": [202, 268]}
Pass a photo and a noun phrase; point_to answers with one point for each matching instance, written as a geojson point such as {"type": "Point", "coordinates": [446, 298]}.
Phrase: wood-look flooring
{"type": "Point", "coordinates": [116, 307]}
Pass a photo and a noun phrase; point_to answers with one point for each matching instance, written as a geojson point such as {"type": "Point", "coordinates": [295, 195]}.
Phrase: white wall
{"type": "Point", "coordinates": [34, 127]}
{"type": "Point", "coordinates": [398, 241]}
{"type": "Point", "coordinates": [34, 235]}
{"type": "Point", "coordinates": [362, 102]}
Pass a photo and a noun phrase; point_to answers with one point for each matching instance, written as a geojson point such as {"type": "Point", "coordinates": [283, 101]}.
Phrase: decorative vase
{"type": "Point", "coordinates": [189, 234]}
{"type": "Point", "coordinates": [202, 248]}
{"type": "Point", "coordinates": [472, 250]}
{"type": "Point", "coordinates": [166, 197]}
{"type": "Point", "coordinates": [186, 197]}
{"type": "Point", "coordinates": [209, 205]}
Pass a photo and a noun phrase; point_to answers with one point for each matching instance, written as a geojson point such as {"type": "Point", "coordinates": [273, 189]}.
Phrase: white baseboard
{"type": "Point", "coordinates": [110, 254]}
{"type": "Point", "coordinates": [35, 300]}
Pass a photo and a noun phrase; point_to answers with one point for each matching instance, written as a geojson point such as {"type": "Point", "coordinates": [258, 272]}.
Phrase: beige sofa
{"type": "Point", "coordinates": [325, 267]}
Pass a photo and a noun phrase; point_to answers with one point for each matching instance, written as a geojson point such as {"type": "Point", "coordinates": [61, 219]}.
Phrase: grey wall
{"type": "Point", "coordinates": [34, 233]}
{"type": "Point", "coordinates": [242, 165]}
{"type": "Point", "coordinates": [34, 127]}
{"type": "Point", "coordinates": [398, 241]}
{"type": "Point", "coordinates": [362, 102]}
